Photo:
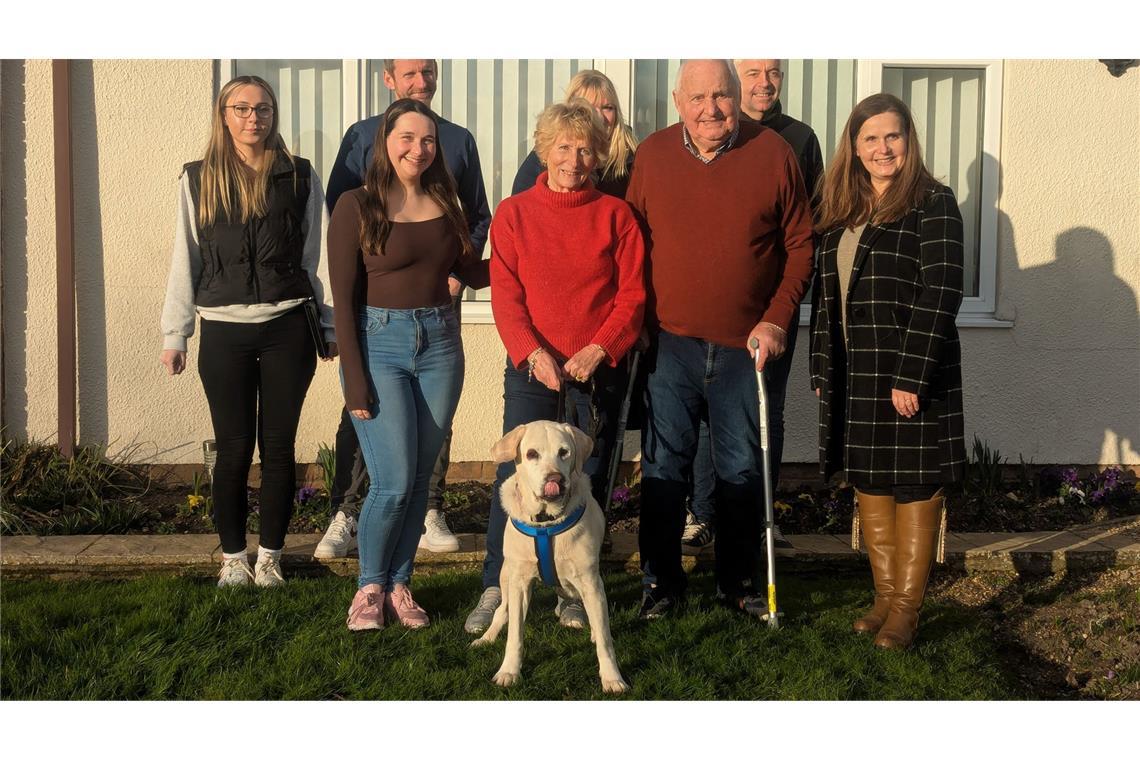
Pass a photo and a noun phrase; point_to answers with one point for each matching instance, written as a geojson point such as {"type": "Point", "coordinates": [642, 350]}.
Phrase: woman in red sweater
{"type": "Point", "coordinates": [568, 296]}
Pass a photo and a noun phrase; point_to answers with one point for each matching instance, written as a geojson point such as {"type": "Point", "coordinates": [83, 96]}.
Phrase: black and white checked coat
{"type": "Point", "coordinates": [906, 286]}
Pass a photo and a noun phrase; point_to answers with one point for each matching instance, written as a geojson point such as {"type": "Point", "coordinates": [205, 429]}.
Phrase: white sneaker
{"type": "Point", "coordinates": [484, 611]}
{"type": "Point", "coordinates": [267, 572]}
{"type": "Point", "coordinates": [235, 572]}
{"type": "Point", "coordinates": [437, 537]}
{"type": "Point", "coordinates": [339, 539]}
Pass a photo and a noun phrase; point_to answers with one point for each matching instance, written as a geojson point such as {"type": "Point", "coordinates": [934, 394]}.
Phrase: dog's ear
{"type": "Point", "coordinates": [508, 446]}
{"type": "Point", "coordinates": [583, 445]}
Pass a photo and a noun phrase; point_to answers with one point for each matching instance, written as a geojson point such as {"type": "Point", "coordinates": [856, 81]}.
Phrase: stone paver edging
{"type": "Point", "coordinates": [1104, 546]}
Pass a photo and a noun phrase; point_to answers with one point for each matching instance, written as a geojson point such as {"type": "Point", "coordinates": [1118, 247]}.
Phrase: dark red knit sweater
{"type": "Point", "coordinates": [728, 244]}
{"type": "Point", "coordinates": [566, 271]}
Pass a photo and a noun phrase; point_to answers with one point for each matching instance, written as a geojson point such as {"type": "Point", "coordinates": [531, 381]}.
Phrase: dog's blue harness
{"type": "Point", "coordinates": [544, 542]}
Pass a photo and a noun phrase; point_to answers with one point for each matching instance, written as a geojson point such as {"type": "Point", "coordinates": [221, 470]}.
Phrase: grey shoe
{"type": "Point", "coordinates": [480, 617]}
{"type": "Point", "coordinates": [571, 613]}
{"type": "Point", "coordinates": [782, 545]}
{"type": "Point", "coordinates": [267, 572]}
{"type": "Point", "coordinates": [235, 572]}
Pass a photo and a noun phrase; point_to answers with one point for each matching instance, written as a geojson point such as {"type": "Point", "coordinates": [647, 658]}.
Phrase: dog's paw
{"type": "Point", "coordinates": [503, 678]}
{"type": "Point", "coordinates": [480, 642]}
{"type": "Point", "coordinates": [614, 686]}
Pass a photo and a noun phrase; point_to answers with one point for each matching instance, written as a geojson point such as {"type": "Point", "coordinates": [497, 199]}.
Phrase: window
{"type": "Point", "coordinates": [957, 109]}
{"type": "Point", "coordinates": [957, 112]}
{"type": "Point", "coordinates": [310, 100]}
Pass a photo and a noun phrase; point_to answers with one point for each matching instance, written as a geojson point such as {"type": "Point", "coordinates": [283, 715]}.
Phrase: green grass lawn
{"type": "Point", "coordinates": [182, 638]}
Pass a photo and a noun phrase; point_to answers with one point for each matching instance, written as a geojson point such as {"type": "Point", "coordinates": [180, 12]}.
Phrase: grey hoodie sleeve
{"type": "Point", "coordinates": [314, 257]}
{"type": "Point", "coordinates": [185, 270]}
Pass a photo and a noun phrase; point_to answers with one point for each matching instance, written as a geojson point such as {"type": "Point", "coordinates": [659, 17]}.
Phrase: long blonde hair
{"type": "Point", "coordinates": [592, 86]}
{"type": "Point", "coordinates": [846, 196]}
{"type": "Point", "coordinates": [225, 181]}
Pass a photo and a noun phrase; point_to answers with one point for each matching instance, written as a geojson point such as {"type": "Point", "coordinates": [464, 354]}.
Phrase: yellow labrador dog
{"type": "Point", "coordinates": [547, 493]}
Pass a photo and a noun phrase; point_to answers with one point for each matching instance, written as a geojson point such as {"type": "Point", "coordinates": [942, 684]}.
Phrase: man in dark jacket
{"type": "Point", "coordinates": [416, 79]}
{"type": "Point", "coordinates": [760, 82]}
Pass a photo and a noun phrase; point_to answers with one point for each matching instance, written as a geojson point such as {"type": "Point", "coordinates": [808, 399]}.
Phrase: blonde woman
{"type": "Point", "coordinates": [611, 176]}
{"type": "Point", "coordinates": [568, 295]}
{"type": "Point", "coordinates": [248, 255]}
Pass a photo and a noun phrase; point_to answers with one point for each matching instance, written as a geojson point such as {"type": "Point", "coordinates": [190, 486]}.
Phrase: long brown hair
{"type": "Point", "coordinates": [847, 198]}
{"type": "Point", "coordinates": [436, 182]}
{"type": "Point", "coordinates": [226, 182]}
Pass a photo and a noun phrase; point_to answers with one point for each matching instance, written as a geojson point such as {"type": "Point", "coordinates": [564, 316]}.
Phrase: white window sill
{"type": "Point", "coordinates": [479, 313]}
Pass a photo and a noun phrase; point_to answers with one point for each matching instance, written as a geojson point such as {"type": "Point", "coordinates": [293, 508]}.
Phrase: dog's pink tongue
{"type": "Point", "coordinates": [551, 489]}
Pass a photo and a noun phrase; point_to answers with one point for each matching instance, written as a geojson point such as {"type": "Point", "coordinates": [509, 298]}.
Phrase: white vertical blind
{"type": "Point", "coordinates": [820, 93]}
{"type": "Point", "coordinates": [948, 105]}
{"type": "Point", "coordinates": [498, 100]}
{"type": "Point", "coordinates": [309, 96]}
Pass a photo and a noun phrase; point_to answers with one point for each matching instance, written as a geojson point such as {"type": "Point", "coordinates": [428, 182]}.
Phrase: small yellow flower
{"type": "Point", "coordinates": [782, 506]}
{"type": "Point", "coordinates": [195, 501]}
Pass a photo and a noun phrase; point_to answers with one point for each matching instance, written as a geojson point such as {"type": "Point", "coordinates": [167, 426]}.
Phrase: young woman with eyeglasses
{"type": "Point", "coordinates": [248, 255]}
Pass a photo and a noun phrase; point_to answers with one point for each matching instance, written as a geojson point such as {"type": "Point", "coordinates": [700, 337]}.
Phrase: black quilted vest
{"type": "Point", "coordinates": [258, 261]}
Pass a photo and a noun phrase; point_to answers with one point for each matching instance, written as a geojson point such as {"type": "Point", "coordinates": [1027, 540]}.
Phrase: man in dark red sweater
{"type": "Point", "coordinates": [728, 255]}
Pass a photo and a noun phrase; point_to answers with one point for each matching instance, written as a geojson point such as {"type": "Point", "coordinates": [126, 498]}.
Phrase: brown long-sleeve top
{"type": "Point", "coordinates": [410, 273]}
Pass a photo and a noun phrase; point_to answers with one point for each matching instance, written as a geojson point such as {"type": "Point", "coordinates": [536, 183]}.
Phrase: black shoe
{"type": "Point", "coordinates": [750, 604]}
{"type": "Point", "coordinates": [656, 603]}
{"type": "Point", "coordinates": [697, 534]}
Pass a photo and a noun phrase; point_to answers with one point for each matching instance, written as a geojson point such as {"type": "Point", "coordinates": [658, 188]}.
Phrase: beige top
{"type": "Point", "coordinates": [845, 264]}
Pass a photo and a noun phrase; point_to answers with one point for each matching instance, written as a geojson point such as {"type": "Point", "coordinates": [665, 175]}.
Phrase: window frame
{"type": "Point", "coordinates": [976, 311]}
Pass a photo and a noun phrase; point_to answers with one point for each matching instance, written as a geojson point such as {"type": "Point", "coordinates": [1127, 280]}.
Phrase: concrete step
{"type": "Point", "coordinates": [1096, 547]}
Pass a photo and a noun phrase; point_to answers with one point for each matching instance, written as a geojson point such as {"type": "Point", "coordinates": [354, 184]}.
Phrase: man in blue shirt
{"type": "Point", "coordinates": [417, 79]}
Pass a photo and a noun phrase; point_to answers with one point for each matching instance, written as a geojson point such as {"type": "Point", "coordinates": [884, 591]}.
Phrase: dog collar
{"type": "Point", "coordinates": [544, 541]}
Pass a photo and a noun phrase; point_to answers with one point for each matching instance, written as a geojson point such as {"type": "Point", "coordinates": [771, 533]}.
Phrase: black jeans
{"type": "Point", "coordinates": [595, 404]}
{"type": "Point", "coordinates": [255, 377]}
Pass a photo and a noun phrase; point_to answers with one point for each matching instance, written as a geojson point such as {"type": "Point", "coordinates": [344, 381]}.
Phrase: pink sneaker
{"type": "Point", "coordinates": [367, 610]}
{"type": "Point", "coordinates": [400, 603]}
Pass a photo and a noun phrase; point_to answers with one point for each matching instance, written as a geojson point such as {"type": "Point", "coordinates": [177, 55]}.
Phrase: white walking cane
{"type": "Point", "coordinates": [773, 617]}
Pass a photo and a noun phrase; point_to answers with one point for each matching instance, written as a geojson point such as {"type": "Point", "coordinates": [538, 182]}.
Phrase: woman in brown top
{"type": "Point", "coordinates": [885, 358]}
{"type": "Point", "coordinates": [392, 244]}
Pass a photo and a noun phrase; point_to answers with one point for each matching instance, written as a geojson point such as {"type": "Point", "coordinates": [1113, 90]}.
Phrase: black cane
{"type": "Point", "coordinates": [619, 438]}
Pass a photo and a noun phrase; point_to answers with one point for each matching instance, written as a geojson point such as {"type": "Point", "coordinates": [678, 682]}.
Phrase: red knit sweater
{"type": "Point", "coordinates": [566, 271]}
{"type": "Point", "coordinates": [729, 243]}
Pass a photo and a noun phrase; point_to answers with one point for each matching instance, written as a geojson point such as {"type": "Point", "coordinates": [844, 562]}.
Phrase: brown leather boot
{"type": "Point", "coordinates": [916, 531]}
{"type": "Point", "coordinates": [877, 518]}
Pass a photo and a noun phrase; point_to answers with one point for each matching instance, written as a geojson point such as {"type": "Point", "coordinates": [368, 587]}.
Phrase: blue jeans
{"type": "Point", "coordinates": [690, 379]}
{"type": "Point", "coordinates": [593, 404]}
{"type": "Point", "coordinates": [776, 373]}
{"type": "Point", "coordinates": [414, 359]}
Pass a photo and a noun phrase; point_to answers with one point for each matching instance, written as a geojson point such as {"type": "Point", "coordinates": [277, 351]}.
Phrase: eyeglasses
{"type": "Point", "coordinates": [242, 111]}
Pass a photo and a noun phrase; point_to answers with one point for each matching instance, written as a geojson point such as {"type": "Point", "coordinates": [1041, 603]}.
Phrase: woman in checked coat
{"type": "Point", "coordinates": [885, 359]}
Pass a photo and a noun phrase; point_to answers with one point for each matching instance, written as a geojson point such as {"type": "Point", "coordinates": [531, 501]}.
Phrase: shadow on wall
{"type": "Point", "coordinates": [1070, 372]}
{"type": "Point", "coordinates": [90, 276]}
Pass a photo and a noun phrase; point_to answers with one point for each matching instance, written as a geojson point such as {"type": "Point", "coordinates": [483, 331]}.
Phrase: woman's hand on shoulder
{"type": "Point", "coordinates": [174, 361]}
